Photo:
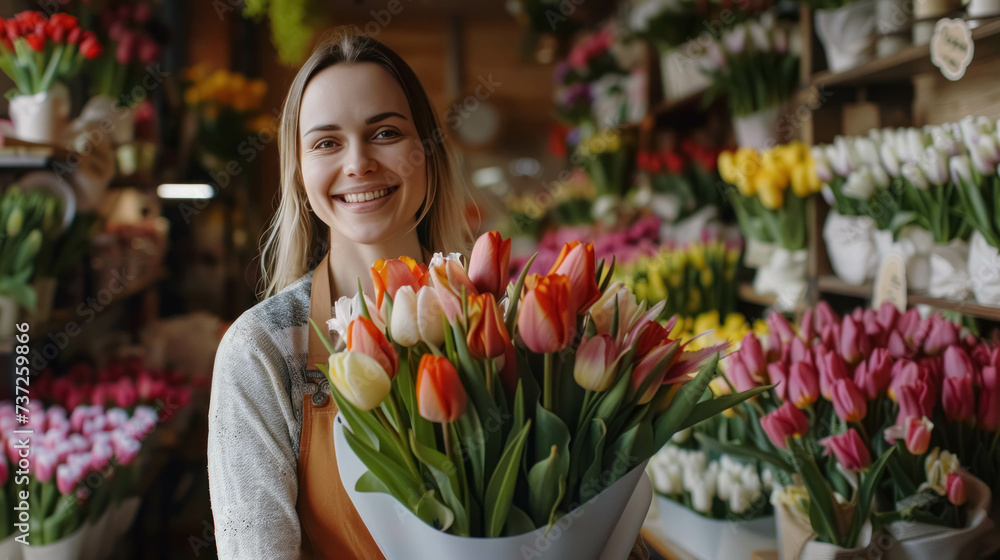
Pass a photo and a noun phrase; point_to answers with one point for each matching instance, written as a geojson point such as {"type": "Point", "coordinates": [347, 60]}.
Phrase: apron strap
{"type": "Point", "coordinates": [320, 311]}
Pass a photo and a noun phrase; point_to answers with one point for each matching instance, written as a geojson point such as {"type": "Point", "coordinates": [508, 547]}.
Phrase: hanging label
{"type": "Point", "coordinates": [952, 47]}
{"type": "Point", "coordinates": [891, 283]}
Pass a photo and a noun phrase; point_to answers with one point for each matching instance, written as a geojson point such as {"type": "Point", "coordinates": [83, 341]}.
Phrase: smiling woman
{"type": "Point", "coordinates": [365, 176]}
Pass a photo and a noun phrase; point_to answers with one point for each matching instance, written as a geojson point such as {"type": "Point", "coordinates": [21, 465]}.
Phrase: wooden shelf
{"type": "Point", "coordinates": [746, 293]}
{"type": "Point", "coordinates": [678, 106]}
{"type": "Point", "coordinates": [905, 64]}
{"type": "Point", "coordinates": [60, 318]}
{"type": "Point", "coordinates": [834, 285]}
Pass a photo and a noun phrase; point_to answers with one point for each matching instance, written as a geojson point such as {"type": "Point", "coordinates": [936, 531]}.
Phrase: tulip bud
{"type": "Point", "coordinates": [833, 369]}
{"type": "Point", "coordinates": [854, 344]}
{"type": "Point", "coordinates": [958, 400]}
{"type": "Point", "coordinates": [956, 488]}
{"type": "Point", "coordinates": [988, 418]}
{"type": "Point", "coordinates": [403, 323]}
{"type": "Point", "coordinates": [603, 310]}
{"type": "Point", "coordinates": [388, 275]}
{"type": "Point", "coordinates": [777, 372]}
{"type": "Point", "coordinates": [752, 355]}
{"type": "Point", "coordinates": [784, 422]}
{"type": "Point", "coordinates": [576, 262]}
{"type": "Point", "coordinates": [67, 477]}
{"type": "Point", "coordinates": [487, 337]}
{"type": "Point", "coordinates": [803, 385]}
{"type": "Point", "coordinates": [440, 395]}
{"type": "Point", "coordinates": [429, 316]}
{"type": "Point", "coordinates": [850, 450]}
{"type": "Point", "coordinates": [961, 170]}
{"type": "Point", "coordinates": [738, 375]}
{"type": "Point", "coordinates": [957, 363]}
{"type": "Point", "coordinates": [363, 336]}
{"type": "Point", "coordinates": [942, 334]}
{"type": "Point", "coordinates": [848, 401]}
{"type": "Point", "coordinates": [359, 378]}
{"type": "Point", "coordinates": [450, 281]}
{"type": "Point", "coordinates": [915, 175]}
{"type": "Point", "coordinates": [544, 321]}
{"type": "Point", "coordinates": [489, 264]}
{"type": "Point", "coordinates": [592, 369]}
{"type": "Point", "coordinates": [918, 435]}
{"type": "Point", "coordinates": [651, 365]}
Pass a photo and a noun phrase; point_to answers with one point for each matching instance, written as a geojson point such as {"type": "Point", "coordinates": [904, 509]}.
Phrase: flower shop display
{"type": "Point", "coordinates": [228, 106]}
{"type": "Point", "coordinates": [874, 412]}
{"type": "Point", "coordinates": [683, 182]}
{"type": "Point", "coordinates": [756, 69]}
{"type": "Point", "coordinates": [39, 54]}
{"type": "Point", "coordinates": [671, 27]}
{"type": "Point", "coordinates": [591, 84]}
{"type": "Point", "coordinates": [847, 30]}
{"type": "Point", "coordinates": [607, 160]}
{"type": "Point", "coordinates": [769, 191]}
{"type": "Point", "coordinates": [580, 386]}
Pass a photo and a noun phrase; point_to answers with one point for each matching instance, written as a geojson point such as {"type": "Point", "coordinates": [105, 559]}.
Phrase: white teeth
{"type": "Point", "coordinates": [364, 197]}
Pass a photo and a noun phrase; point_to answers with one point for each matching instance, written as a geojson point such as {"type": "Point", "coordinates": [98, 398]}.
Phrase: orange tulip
{"type": "Point", "coordinates": [363, 336]}
{"type": "Point", "coordinates": [487, 336]}
{"type": "Point", "coordinates": [440, 395]}
{"type": "Point", "coordinates": [576, 261]}
{"type": "Point", "coordinates": [388, 275]}
{"type": "Point", "coordinates": [450, 280]}
{"type": "Point", "coordinates": [544, 319]}
{"type": "Point", "coordinates": [489, 264]}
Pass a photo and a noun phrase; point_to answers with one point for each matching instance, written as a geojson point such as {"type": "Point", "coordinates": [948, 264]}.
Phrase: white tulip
{"type": "Point", "coordinates": [980, 160]}
{"type": "Point", "coordinates": [935, 165]}
{"type": "Point", "coordinates": [970, 132]}
{"type": "Point", "coordinates": [915, 143]}
{"type": "Point", "coordinates": [859, 185]}
{"type": "Point", "coordinates": [914, 174]}
{"type": "Point", "coordinates": [865, 152]}
{"type": "Point", "coordinates": [735, 39]}
{"type": "Point", "coordinates": [403, 322]}
{"type": "Point", "coordinates": [889, 160]}
{"type": "Point", "coordinates": [822, 164]}
{"type": "Point", "coordinates": [702, 491]}
{"type": "Point", "coordinates": [878, 176]}
{"type": "Point", "coordinates": [759, 35]}
{"type": "Point", "coordinates": [840, 158]}
{"type": "Point", "coordinates": [943, 141]}
{"type": "Point", "coordinates": [960, 170]}
{"type": "Point", "coordinates": [347, 309]}
{"type": "Point", "coordinates": [875, 135]}
{"type": "Point", "coordinates": [988, 147]}
{"type": "Point", "coordinates": [430, 316]}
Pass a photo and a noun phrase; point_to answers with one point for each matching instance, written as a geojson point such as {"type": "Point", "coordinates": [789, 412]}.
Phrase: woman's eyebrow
{"type": "Point", "coordinates": [369, 120]}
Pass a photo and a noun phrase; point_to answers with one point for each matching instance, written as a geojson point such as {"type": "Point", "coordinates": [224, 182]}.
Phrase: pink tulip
{"type": "Point", "coordinates": [854, 344]}
{"type": "Point", "coordinates": [803, 385]}
{"type": "Point", "coordinates": [126, 449]}
{"type": "Point", "coordinates": [955, 486]}
{"type": "Point", "coordinates": [777, 372]}
{"type": "Point", "coordinates": [807, 329]}
{"type": "Point", "coordinates": [848, 401]}
{"type": "Point", "coordinates": [545, 321]}
{"type": "Point", "coordinates": [784, 422]}
{"type": "Point", "coordinates": [933, 368]}
{"type": "Point", "coordinates": [873, 377]}
{"type": "Point", "coordinates": [648, 367]}
{"type": "Point", "coordinates": [450, 280]}
{"type": "Point", "coordinates": [958, 399]}
{"type": "Point", "coordinates": [957, 363]}
{"type": "Point", "coordinates": [752, 354]}
{"type": "Point", "coordinates": [849, 449]}
{"type": "Point", "coordinates": [897, 346]}
{"type": "Point", "coordinates": [739, 376]}
{"type": "Point", "coordinates": [100, 454]}
{"type": "Point", "coordinates": [45, 464]}
{"type": "Point", "coordinates": [830, 336]}
{"type": "Point", "coordinates": [989, 409]}
{"type": "Point", "coordinates": [916, 400]}
{"type": "Point", "coordinates": [887, 316]}
{"type": "Point", "coordinates": [799, 352]}
{"type": "Point", "coordinates": [918, 435]}
{"type": "Point", "coordinates": [124, 393]}
{"type": "Point", "coordinates": [982, 354]}
{"type": "Point", "coordinates": [778, 324]}
{"type": "Point", "coordinates": [67, 477]}
{"type": "Point", "coordinates": [576, 262]}
{"type": "Point", "coordinates": [825, 316]}
{"type": "Point", "coordinates": [489, 264]}
{"type": "Point", "coordinates": [833, 369]}
{"type": "Point", "coordinates": [149, 51]}
{"type": "Point", "coordinates": [592, 368]}
{"type": "Point", "coordinates": [942, 335]}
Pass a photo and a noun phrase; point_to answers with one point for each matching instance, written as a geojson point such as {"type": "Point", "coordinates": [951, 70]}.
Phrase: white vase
{"type": "Point", "coordinates": [65, 549]}
{"type": "Point", "coordinates": [118, 121]}
{"type": "Point", "coordinates": [847, 34]}
{"type": "Point", "coordinates": [11, 549]}
{"type": "Point", "coordinates": [681, 70]}
{"type": "Point", "coordinates": [851, 247]}
{"type": "Point", "coordinates": [950, 270]}
{"type": "Point", "coordinates": [983, 8]}
{"type": "Point", "coordinates": [758, 130]}
{"type": "Point", "coordinates": [914, 247]}
{"type": "Point", "coordinates": [984, 270]}
{"type": "Point", "coordinates": [709, 539]}
{"type": "Point", "coordinates": [611, 520]}
{"type": "Point", "coordinates": [784, 277]}
{"type": "Point", "coordinates": [41, 118]}
{"type": "Point", "coordinates": [9, 310]}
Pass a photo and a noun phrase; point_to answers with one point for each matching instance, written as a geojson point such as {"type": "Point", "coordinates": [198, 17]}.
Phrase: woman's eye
{"type": "Point", "coordinates": [387, 133]}
{"type": "Point", "coordinates": [325, 144]}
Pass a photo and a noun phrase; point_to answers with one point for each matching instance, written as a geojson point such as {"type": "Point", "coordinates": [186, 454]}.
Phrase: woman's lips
{"type": "Point", "coordinates": [364, 205]}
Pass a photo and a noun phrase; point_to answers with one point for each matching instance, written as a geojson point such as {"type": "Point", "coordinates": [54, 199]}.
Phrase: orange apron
{"type": "Point", "coordinates": [331, 527]}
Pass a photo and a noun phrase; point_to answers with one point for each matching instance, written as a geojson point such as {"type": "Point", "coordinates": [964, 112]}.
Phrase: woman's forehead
{"type": "Point", "coordinates": [348, 94]}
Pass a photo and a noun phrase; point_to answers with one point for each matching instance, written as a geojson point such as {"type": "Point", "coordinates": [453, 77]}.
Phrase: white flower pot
{"type": "Point", "coordinates": [914, 247]}
{"type": "Point", "coordinates": [41, 118]}
{"type": "Point", "coordinates": [681, 70]}
{"type": "Point", "coordinates": [983, 8]}
{"type": "Point", "coordinates": [757, 253]}
{"type": "Point", "coordinates": [785, 277]}
{"type": "Point", "coordinates": [116, 120]}
{"type": "Point", "coordinates": [8, 318]}
{"type": "Point", "coordinates": [11, 549]}
{"type": "Point", "coordinates": [984, 270]}
{"type": "Point", "coordinates": [847, 34]}
{"type": "Point", "coordinates": [65, 549]}
{"type": "Point", "coordinates": [604, 528]}
{"type": "Point", "coordinates": [758, 130]}
{"type": "Point", "coordinates": [709, 539]}
{"type": "Point", "coordinates": [950, 270]}
{"type": "Point", "coordinates": [851, 247]}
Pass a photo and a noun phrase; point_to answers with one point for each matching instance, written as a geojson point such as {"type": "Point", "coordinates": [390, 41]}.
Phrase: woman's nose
{"type": "Point", "coordinates": [359, 162]}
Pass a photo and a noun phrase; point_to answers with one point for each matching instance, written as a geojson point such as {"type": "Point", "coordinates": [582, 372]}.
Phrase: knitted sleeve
{"type": "Point", "coordinates": [252, 459]}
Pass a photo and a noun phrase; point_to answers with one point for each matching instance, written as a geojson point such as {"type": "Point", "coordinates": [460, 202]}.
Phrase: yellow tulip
{"type": "Point", "coordinates": [707, 321]}
{"type": "Point", "coordinates": [770, 196]}
{"type": "Point", "coordinates": [359, 378]}
{"type": "Point", "coordinates": [727, 168]}
{"type": "Point", "coordinates": [801, 181]}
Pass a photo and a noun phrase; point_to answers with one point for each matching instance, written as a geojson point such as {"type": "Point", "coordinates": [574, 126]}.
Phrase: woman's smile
{"type": "Point", "coordinates": [368, 200]}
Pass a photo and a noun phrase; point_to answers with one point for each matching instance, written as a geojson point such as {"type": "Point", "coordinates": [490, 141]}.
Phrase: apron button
{"type": "Point", "coordinates": [319, 398]}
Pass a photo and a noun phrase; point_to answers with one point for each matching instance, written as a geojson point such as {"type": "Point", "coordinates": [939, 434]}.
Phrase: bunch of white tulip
{"type": "Point", "coordinates": [689, 477]}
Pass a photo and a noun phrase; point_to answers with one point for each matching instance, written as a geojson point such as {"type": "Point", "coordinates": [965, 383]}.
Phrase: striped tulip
{"type": "Point", "coordinates": [389, 275]}
{"type": "Point", "coordinates": [489, 264]}
{"type": "Point", "coordinates": [450, 282]}
{"type": "Point", "coordinates": [576, 262]}
{"type": "Point", "coordinates": [593, 369]}
{"type": "Point", "coordinates": [363, 336]}
{"type": "Point", "coordinates": [544, 320]}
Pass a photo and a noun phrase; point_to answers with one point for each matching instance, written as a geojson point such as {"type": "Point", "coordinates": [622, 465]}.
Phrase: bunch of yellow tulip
{"type": "Point", "coordinates": [603, 157]}
{"type": "Point", "coordinates": [707, 329]}
{"type": "Point", "coordinates": [692, 279]}
{"type": "Point", "coordinates": [221, 89]}
{"type": "Point", "coordinates": [770, 191]}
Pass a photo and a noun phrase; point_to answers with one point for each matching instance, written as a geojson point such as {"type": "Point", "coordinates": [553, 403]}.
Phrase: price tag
{"type": "Point", "coordinates": [952, 47]}
{"type": "Point", "coordinates": [891, 283]}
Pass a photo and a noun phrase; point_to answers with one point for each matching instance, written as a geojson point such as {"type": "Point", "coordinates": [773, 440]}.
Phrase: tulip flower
{"type": "Point", "coordinates": [957, 363]}
{"type": "Point", "coordinates": [778, 324]}
{"type": "Point", "coordinates": [739, 375]}
{"type": "Point", "coordinates": [854, 343]}
{"type": "Point", "coordinates": [440, 395]}
{"type": "Point", "coordinates": [752, 354]}
{"type": "Point", "coordinates": [955, 487]}
{"type": "Point", "coordinates": [388, 275]}
{"type": "Point", "coordinates": [67, 477]}
{"type": "Point", "coordinates": [429, 313]}
{"type": "Point", "coordinates": [873, 377]}
{"type": "Point", "coordinates": [450, 281]}
{"type": "Point", "coordinates": [363, 336]}
{"type": "Point", "coordinates": [777, 372]}
{"type": "Point", "coordinates": [403, 323]}
{"type": "Point", "coordinates": [833, 369]}
{"type": "Point", "coordinates": [942, 334]}
{"type": "Point", "coordinates": [807, 329]}
{"type": "Point", "coordinates": [100, 454]}
{"type": "Point", "coordinates": [850, 451]}
{"type": "Point", "coordinates": [126, 449]}
{"type": "Point", "coordinates": [988, 418]}
{"type": "Point", "coordinates": [958, 400]}
{"type": "Point", "coordinates": [848, 401]}
{"type": "Point", "coordinates": [603, 310]}
{"type": "Point", "coordinates": [803, 385]}
{"type": "Point", "coordinates": [918, 435]}
{"type": "Point", "coordinates": [593, 369]}
{"type": "Point", "coordinates": [489, 264]}
{"type": "Point", "coordinates": [359, 378]}
{"type": "Point", "coordinates": [825, 315]}
{"type": "Point", "coordinates": [544, 320]}
{"type": "Point", "coordinates": [487, 336]}
{"type": "Point", "coordinates": [916, 400]}
{"type": "Point", "coordinates": [784, 422]}
{"type": "Point", "coordinates": [45, 464]}
{"type": "Point", "coordinates": [576, 262]}
{"type": "Point", "coordinates": [345, 310]}
{"type": "Point", "coordinates": [646, 338]}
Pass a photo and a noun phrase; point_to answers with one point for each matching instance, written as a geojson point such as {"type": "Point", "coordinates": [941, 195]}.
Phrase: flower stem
{"type": "Point", "coordinates": [489, 376]}
{"type": "Point", "coordinates": [446, 429]}
{"type": "Point", "coordinates": [403, 448]}
{"type": "Point", "coordinates": [548, 381]}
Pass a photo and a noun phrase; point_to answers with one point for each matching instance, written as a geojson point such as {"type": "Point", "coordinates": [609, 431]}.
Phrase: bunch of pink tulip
{"type": "Point", "coordinates": [73, 465]}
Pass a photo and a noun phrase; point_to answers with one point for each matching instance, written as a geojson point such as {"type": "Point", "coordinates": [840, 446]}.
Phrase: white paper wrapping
{"type": "Point", "coordinates": [690, 229]}
{"type": "Point", "coordinates": [118, 120]}
{"type": "Point", "coordinates": [795, 541]}
{"type": "Point", "coordinates": [681, 70]}
{"type": "Point", "coordinates": [757, 253]}
{"type": "Point", "coordinates": [950, 270]}
{"type": "Point", "coordinates": [65, 549]}
{"type": "Point", "coordinates": [709, 539]}
{"type": "Point", "coordinates": [914, 247]}
{"type": "Point", "coordinates": [984, 270]}
{"type": "Point", "coordinates": [847, 34]}
{"type": "Point", "coordinates": [758, 130]}
{"type": "Point", "coordinates": [11, 549]}
{"type": "Point", "coordinates": [784, 276]}
{"type": "Point", "coordinates": [604, 528]}
{"type": "Point", "coordinates": [850, 244]}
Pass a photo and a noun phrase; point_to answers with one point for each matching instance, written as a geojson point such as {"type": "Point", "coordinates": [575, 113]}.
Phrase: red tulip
{"type": "Point", "coordinates": [440, 395]}
{"type": "Point", "coordinates": [955, 486]}
{"type": "Point", "coordinates": [777, 372]}
{"type": "Point", "coordinates": [784, 422]}
{"type": "Point", "coordinates": [803, 385]}
{"type": "Point", "coordinates": [487, 336]}
{"type": "Point", "coordinates": [576, 262]}
{"type": "Point", "coordinates": [389, 275]}
{"type": "Point", "coordinates": [544, 320]}
{"type": "Point", "coordinates": [36, 42]}
{"type": "Point", "coordinates": [646, 338]}
{"type": "Point", "coordinates": [958, 399]}
{"type": "Point", "coordinates": [651, 365]}
{"type": "Point", "coordinates": [957, 363]}
{"type": "Point", "coordinates": [89, 46]}
{"type": "Point", "coordinates": [752, 354]}
{"type": "Point", "coordinates": [833, 368]}
{"type": "Point", "coordinates": [363, 336]}
{"type": "Point", "coordinates": [489, 264]}
{"type": "Point", "coordinates": [850, 450]}
{"type": "Point", "coordinates": [848, 401]}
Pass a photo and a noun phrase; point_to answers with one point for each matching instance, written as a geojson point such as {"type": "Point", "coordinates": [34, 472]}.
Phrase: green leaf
{"type": "Point", "coordinates": [592, 482]}
{"type": "Point", "coordinates": [446, 476]}
{"type": "Point", "coordinates": [821, 501]}
{"type": "Point", "coordinates": [325, 337]}
{"type": "Point", "coordinates": [866, 490]}
{"type": "Point", "coordinates": [397, 480]}
{"type": "Point", "coordinates": [500, 491]}
{"type": "Point", "coordinates": [473, 440]}
{"type": "Point", "coordinates": [707, 409]}
{"type": "Point", "coordinates": [670, 422]}
{"type": "Point", "coordinates": [515, 297]}
{"type": "Point", "coordinates": [363, 424]}
{"type": "Point", "coordinates": [433, 512]}
{"type": "Point", "coordinates": [550, 430]}
{"type": "Point", "coordinates": [709, 443]}
{"type": "Point", "coordinates": [518, 523]}
{"type": "Point", "coordinates": [370, 483]}
{"type": "Point", "coordinates": [518, 413]}
{"type": "Point", "coordinates": [546, 486]}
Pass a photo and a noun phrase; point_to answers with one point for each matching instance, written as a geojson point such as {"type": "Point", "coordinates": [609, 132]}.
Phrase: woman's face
{"type": "Point", "coordinates": [361, 158]}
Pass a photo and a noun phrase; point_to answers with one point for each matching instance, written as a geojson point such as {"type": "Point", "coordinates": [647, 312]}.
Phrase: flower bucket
{"type": "Point", "coordinates": [796, 541]}
{"type": "Point", "coordinates": [950, 270]}
{"type": "Point", "coordinates": [757, 253]}
{"type": "Point", "coordinates": [681, 70]}
{"type": "Point", "coordinates": [851, 247]}
{"type": "Point", "coordinates": [894, 17]}
{"type": "Point", "coordinates": [983, 8]}
{"type": "Point", "coordinates": [8, 318]}
{"type": "Point", "coordinates": [45, 292]}
{"type": "Point", "coordinates": [921, 541]}
{"type": "Point", "coordinates": [847, 34]}
{"type": "Point", "coordinates": [709, 539]}
{"type": "Point", "coordinates": [984, 270]}
{"type": "Point", "coordinates": [605, 527]}
{"type": "Point", "coordinates": [41, 118]}
{"type": "Point", "coordinates": [914, 247]}
{"type": "Point", "coordinates": [118, 121]}
{"type": "Point", "coordinates": [758, 130]}
{"type": "Point", "coordinates": [784, 276]}
{"type": "Point", "coordinates": [11, 549]}
{"type": "Point", "coordinates": [65, 549]}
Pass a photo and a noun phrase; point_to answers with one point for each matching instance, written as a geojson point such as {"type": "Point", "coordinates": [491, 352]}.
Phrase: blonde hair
{"type": "Point", "coordinates": [294, 241]}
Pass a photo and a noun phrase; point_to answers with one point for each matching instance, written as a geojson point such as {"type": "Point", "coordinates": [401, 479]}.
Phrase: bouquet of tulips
{"type": "Point", "coordinates": [136, 40]}
{"type": "Point", "coordinates": [36, 52]}
{"type": "Point", "coordinates": [228, 106]}
{"type": "Point", "coordinates": [604, 157]}
{"type": "Point", "coordinates": [683, 182]}
{"type": "Point", "coordinates": [859, 396]}
{"type": "Point", "coordinates": [29, 222]}
{"type": "Point", "coordinates": [489, 409]}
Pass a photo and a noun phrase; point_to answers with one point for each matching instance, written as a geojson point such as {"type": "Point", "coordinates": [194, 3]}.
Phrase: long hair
{"type": "Point", "coordinates": [295, 241]}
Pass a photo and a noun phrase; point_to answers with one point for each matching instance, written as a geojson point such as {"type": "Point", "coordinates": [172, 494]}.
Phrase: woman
{"type": "Point", "coordinates": [365, 176]}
